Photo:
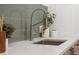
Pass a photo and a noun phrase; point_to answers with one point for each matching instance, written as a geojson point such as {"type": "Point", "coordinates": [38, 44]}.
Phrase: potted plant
{"type": "Point", "coordinates": [9, 29]}
{"type": "Point", "coordinates": [50, 20]}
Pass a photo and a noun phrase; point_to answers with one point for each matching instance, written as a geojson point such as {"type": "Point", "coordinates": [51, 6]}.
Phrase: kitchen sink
{"type": "Point", "coordinates": [50, 42]}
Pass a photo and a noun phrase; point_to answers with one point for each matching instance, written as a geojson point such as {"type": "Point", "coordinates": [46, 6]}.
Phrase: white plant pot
{"type": "Point", "coordinates": [53, 33]}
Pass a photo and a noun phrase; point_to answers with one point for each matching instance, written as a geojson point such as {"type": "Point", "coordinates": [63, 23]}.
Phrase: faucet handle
{"type": "Point", "coordinates": [41, 31]}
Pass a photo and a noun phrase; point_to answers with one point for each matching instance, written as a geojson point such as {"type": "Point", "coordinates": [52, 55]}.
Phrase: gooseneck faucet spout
{"type": "Point", "coordinates": [43, 26]}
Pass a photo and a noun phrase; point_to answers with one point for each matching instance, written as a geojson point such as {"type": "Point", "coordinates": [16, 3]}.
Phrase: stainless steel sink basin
{"type": "Point", "coordinates": [50, 42]}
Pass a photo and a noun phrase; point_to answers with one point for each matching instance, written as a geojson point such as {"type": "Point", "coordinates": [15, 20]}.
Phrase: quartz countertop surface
{"type": "Point", "coordinates": [28, 48]}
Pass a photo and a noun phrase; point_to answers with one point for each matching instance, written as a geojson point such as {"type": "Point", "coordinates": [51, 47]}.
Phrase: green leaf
{"type": "Point", "coordinates": [9, 29]}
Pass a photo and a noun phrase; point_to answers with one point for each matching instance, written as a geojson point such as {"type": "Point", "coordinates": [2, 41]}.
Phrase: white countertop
{"type": "Point", "coordinates": [28, 48]}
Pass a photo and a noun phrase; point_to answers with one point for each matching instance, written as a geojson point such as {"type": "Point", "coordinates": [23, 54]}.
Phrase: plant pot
{"type": "Point", "coordinates": [53, 33]}
{"type": "Point", "coordinates": [2, 42]}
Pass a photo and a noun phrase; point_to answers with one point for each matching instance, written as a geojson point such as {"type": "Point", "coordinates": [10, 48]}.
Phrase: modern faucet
{"type": "Point", "coordinates": [43, 26]}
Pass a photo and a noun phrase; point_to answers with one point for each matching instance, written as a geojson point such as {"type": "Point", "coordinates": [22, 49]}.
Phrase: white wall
{"type": "Point", "coordinates": [64, 20]}
{"type": "Point", "coordinates": [75, 19]}
{"type": "Point", "coordinates": [67, 19]}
